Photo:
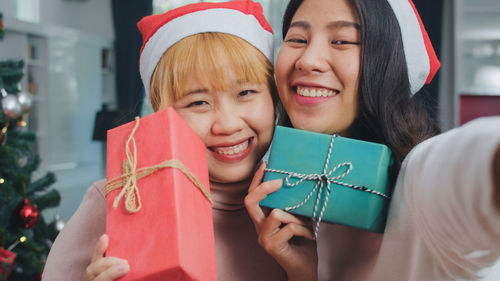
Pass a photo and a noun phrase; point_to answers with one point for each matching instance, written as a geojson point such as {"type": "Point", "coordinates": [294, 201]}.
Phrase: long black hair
{"type": "Point", "coordinates": [388, 113]}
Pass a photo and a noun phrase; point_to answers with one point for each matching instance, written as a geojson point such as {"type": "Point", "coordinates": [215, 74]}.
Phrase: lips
{"type": "Point", "coordinates": [232, 152]}
{"type": "Point", "coordinates": [313, 95]}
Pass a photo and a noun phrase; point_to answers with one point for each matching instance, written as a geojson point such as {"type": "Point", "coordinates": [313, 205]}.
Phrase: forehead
{"type": "Point", "coordinates": [224, 78]}
{"type": "Point", "coordinates": [325, 12]}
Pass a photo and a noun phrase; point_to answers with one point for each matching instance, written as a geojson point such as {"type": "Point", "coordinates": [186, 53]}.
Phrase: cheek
{"type": "Point", "coordinates": [261, 116]}
{"type": "Point", "coordinates": [201, 126]}
{"type": "Point", "coordinates": [352, 68]}
{"type": "Point", "coordinates": [284, 65]}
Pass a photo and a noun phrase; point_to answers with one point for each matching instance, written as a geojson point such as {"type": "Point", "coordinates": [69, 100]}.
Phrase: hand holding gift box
{"type": "Point", "coordinates": [330, 178]}
{"type": "Point", "coordinates": [157, 166]}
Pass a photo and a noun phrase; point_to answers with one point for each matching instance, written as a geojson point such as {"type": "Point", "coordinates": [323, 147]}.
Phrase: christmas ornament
{"type": "Point", "coordinates": [10, 106]}
{"type": "Point", "coordinates": [59, 223]}
{"type": "Point", "coordinates": [6, 263]}
{"type": "Point", "coordinates": [24, 157]}
{"type": "Point", "coordinates": [28, 214]}
{"type": "Point", "coordinates": [25, 100]}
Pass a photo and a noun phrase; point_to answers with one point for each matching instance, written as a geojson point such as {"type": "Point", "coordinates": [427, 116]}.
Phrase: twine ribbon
{"type": "Point", "coordinates": [323, 182]}
{"type": "Point", "coordinates": [128, 180]}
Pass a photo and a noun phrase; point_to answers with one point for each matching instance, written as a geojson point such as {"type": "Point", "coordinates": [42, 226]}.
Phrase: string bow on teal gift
{"type": "Point", "coordinates": [323, 182]}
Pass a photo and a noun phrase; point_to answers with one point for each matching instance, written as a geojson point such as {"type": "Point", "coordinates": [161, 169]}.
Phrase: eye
{"type": "Point", "coordinates": [295, 42]}
{"type": "Point", "coordinates": [343, 42]}
{"type": "Point", "coordinates": [245, 93]}
{"type": "Point", "coordinates": [197, 104]}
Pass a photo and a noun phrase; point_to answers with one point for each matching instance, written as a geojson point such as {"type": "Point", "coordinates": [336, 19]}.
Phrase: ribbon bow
{"type": "Point", "coordinates": [131, 175]}
{"type": "Point", "coordinates": [323, 182]}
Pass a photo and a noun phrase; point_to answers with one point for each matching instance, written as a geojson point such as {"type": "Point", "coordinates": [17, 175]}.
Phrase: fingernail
{"type": "Point", "coordinates": [123, 267]}
{"type": "Point", "coordinates": [277, 182]}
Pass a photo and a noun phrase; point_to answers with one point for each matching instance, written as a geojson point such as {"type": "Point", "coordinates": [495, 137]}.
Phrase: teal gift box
{"type": "Point", "coordinates": [330, 178]}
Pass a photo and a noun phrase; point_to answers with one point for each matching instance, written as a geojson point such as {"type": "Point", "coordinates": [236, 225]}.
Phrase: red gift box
{"type": "Point", "coordinates": [6, 263]}
{"type": "Point", "coordinates": [171, 237]}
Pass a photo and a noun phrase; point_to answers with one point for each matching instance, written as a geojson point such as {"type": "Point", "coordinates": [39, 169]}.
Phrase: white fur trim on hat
{"type": "Point", "coordinates": [420, 57]}
{"type": "Point", "coordinates": [224, 20]}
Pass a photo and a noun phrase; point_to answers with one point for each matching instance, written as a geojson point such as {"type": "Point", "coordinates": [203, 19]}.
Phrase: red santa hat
{"type": "Point", "coordinates": [420, 56]}
{"type": "Point", "coordinates": [244, 19]}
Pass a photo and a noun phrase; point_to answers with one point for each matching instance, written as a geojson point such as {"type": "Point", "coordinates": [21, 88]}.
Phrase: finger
{"type": "Point", "coordinates": [114, 272]}
{"type": "Point", "coordinates": [271, 224]}
{"type": "Point", "coordinates": [281, 237]}
{"type": "Point", "coordinates": [262, 190]}
{"type": "Point", "coordinates": [101, 265]}
{"type": "Point", "coordinates": [100, 248]}
{"type": "Point", "coordinates": [291, 230]}
{"type": "Point", "coordinates": [253, 198]}
{"type": "Point", "coordinates": [283, 217]}
{"type": "Point", "coordinates": [257, 177]}
{"type": "Point", "coordinates": [275, 221]}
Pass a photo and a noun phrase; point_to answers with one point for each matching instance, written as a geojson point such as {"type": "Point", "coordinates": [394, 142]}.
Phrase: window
{"type": "Point", "coordinates": [28, 10]}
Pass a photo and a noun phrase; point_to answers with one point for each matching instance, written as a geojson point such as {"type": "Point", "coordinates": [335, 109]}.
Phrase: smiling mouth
{"type": "Point", "coordinates": [231, 150]}
{"type": "Point", "coordinates": [313, 92]}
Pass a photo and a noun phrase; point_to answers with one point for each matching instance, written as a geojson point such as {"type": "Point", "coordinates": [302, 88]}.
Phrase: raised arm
{"type": "Point", "coordinates": [72, 250]}
{"type": "Point", "coordinates": [454, 198]}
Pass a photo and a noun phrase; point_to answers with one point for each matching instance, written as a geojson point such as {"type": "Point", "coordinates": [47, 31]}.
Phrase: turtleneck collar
{"type": "Point", "coordinates": [229, 196]}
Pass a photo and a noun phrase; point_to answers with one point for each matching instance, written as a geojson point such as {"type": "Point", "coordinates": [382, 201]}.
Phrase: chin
{"type": "Point", "coordinates": [308, 126]}
{"type": "Point", "coordinates": [228, 179]}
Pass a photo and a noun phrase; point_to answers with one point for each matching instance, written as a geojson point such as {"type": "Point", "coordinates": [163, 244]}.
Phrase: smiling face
{"type": "Point", "coordinates": [318, 66]}
{"type": "Point", "coordinates": [236, 125]}
{"type": "Point", "coordinates": [223, 88]}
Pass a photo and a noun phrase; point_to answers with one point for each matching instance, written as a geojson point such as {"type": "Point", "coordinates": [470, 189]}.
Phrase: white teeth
{"type": "Point", "coordinates": [232, 150]}
{"type": "Point", "coordinates": [315, 92]}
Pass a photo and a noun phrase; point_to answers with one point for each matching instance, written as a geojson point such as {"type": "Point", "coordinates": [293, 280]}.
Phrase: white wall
{"type": "Point", "coordinates": [69, 37]}
{"type": "Point", "coordinates": [91, 16]}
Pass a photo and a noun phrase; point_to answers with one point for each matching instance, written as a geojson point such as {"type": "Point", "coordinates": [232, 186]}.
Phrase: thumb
{"type": "Point", "coordinates": [100, 248]}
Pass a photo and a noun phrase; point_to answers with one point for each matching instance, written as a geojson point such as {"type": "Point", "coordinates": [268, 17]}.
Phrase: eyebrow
{"type": "Point", "coordinates": [196, 91]}
{"type": "Point", "coordinates": [330, 25]}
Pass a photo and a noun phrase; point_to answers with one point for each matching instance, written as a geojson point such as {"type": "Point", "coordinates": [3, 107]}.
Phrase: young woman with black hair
{"type": "Point", "coordinates": [353, 67]}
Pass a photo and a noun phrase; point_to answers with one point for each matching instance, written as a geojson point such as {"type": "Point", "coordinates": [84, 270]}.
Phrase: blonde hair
{"type": "Point", "coordinates": [207, 56]}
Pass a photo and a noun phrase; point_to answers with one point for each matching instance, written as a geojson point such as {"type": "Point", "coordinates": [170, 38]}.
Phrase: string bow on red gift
{"type": "Point", "coordinates": [128, 180]}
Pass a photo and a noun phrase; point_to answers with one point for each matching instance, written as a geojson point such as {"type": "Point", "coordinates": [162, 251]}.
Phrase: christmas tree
{"type": "Point", "coordinates": [25, 237]}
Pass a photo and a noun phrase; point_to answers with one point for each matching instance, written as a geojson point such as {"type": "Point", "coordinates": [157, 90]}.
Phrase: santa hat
{"type": "Point", "coordinates": [244, 19]}
{"type": "Point", "coordinates": [420, 56]}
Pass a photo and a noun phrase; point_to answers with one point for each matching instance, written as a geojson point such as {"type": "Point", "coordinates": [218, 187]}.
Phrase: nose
{"type": "Point", "coordinates": [314, 58]}
{"type": "Point", "coordinates": [226, 121]}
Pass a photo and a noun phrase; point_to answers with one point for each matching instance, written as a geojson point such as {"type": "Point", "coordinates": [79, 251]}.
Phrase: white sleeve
{"type": "Point", "coordinates": [449, 182]}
